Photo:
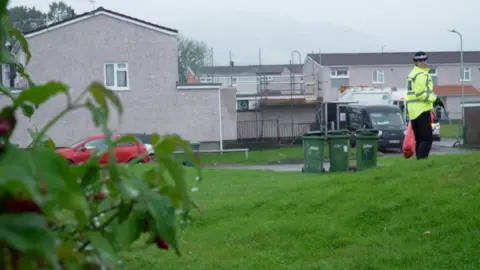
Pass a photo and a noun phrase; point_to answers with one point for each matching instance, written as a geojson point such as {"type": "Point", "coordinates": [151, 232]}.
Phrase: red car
{"type": "Point", "coordinates": [125, 152]}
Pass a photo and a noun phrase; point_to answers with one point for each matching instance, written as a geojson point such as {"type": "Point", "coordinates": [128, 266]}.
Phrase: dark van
{"type": "Point", "coordinates": [385, 118]}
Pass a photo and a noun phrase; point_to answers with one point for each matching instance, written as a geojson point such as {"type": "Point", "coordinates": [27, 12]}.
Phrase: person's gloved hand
{"type": "Point", "coordinates": [438, 102]}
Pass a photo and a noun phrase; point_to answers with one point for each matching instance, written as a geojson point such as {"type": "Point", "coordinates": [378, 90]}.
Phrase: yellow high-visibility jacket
{"type": "Point", "coordinates": [420, 96]}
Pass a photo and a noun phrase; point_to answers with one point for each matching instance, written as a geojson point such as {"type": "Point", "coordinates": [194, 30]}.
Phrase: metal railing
{"type": "Point", "coordinates": [272, 129]}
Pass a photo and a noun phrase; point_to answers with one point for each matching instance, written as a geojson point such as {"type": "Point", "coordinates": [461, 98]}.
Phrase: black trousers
{"type": "Point", "coordinates": [423, 134]}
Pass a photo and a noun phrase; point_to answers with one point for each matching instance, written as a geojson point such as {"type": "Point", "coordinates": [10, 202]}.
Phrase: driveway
{"type": "Point", "coordinates": [444, 147]}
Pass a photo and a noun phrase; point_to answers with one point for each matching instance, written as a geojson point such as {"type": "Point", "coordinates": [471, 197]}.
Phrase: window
{"type": "Point", "coordinates": [233, 81]}
{"type": "Point", "coordinates": [355, 120]}
{"type": "Point", "coordinates": [433, 72]}
{"type": "Point", "coordinates": [387, 119]}
{"type": "Point", "coordinates": [97, 143]}
{"type": "Point", "coordinates": [378, 76]}
{"type": "Point", "coordinates": [23, 59]}
{"type": "Point", "coordinates": [242, 105]}
{"type": "Point", "coordinates": [339, 73]}
{"type": "Point", "coordinates": [269, 78]}
{"type": "Point", "coordinates": [206, 79]}
{"type": "Point", "coordinates": [465, 75]}
{"type": "Point", "coordinates": [116, 76]}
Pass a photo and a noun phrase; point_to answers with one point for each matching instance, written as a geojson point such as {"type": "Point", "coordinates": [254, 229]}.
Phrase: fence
{"type": "Point", "coordinates": [268, 130]}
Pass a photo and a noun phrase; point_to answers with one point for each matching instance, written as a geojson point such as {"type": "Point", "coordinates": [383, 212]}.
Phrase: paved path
{"type": "Point", "coordinates": [445, 142]}
{"type": "Point", "coordinates": [443, 147]}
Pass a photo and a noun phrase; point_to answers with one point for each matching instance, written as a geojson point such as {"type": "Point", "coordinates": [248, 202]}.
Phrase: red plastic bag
{"type": "Point", "coordinates": [409, 142]}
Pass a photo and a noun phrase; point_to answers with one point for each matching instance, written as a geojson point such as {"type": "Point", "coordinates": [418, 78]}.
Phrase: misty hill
{"type": "Point", "coordinates": [244, 33]}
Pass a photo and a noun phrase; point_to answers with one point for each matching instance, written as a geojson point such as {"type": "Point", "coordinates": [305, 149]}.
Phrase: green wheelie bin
{"type": "Point", "coordinates": [313, 152]}
{"type": "Point", "coordinates": [339, 150]}
{"type": "Point", "coordinates": [367, 148]}
{"type": "Point", "coordinates": [196, 152]}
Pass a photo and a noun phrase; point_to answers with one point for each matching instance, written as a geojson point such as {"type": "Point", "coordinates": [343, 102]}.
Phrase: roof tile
{"type": "Point", "coordinates": [451, 90]}
{"type": "Point", "coordinates": [391, 58]}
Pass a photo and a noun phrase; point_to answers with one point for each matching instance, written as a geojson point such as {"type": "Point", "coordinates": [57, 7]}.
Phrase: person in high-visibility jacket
{"type": "Point", "coordinates": [420, 102]}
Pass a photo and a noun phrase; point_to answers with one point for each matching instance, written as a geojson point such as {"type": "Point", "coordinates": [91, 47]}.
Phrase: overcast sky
{"type": "Point", "coordinates": [280, 26]}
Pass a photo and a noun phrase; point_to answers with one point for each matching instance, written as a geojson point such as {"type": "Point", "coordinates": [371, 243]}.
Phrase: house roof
{"type": "Point", "coordinates": [102, 11]}
{"type": "Point", "coordinates": [264, 69]}
{"type": "Point", "coordinates": [453, 90]}
{"type": "Point", "coordinates": [391, 58]}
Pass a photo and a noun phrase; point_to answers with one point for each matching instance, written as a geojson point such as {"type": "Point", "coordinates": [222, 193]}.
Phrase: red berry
{"type": "Point", "coordinates": [162, 244]}
{"type": "Point", "coordinates": [20, 206]}
{"type": "Point", "coordinates": [98, 197]}
{"type": "Point", "coordinates": [5, 127]}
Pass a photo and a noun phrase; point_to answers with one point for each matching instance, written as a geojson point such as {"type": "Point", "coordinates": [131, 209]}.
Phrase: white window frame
{"type": "Point", "coordinates": [334, 73]}
{"type": "Point", "coordinates": [115, 69]}
{"type": "Point", "coordinates": [23, 58]}
{"type": "Point", "coordinates": [375, 76]}
{"type": "Point", "coordinates": [465, 71]}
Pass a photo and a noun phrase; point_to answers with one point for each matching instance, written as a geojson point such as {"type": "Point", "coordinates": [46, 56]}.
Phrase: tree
{"type": "Point", "coordinates": [60, 11]}
{"type": "Point", "coordinates": [192, 54]}
{"type": "Point", "coordinates": [56, 215]}
{"type": "Point", "coordinates": [26, 18]}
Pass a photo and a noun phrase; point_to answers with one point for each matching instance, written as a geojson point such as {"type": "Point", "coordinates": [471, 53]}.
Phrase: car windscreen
{"type": "Point", "coordinates": [145, 139]}
{"type": "Point", "coordinates": [386, 119]}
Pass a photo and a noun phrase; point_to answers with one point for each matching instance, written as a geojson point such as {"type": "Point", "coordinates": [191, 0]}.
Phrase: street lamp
{"type": "Point", "coordinates": [462, 74]}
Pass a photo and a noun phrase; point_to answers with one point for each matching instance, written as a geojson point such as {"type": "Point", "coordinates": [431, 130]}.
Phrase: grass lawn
{"type": "Point", "coordinates": [403, 215]}
{"type": "Point", "coordinates": [451, 130]}
{"type": "Point", "coordinates": [271, 156]}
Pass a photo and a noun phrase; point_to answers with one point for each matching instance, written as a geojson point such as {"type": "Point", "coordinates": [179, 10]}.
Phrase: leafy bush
{"type": "Point", "coordinates": [56, 216]}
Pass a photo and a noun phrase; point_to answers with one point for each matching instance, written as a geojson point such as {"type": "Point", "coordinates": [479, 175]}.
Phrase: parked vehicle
{"type": "Point", "coordinates": [145, 139]}
{"type": "Point", "coordinates": [387, 119]}
{"type": "Point", "coordinates": [363, 95]}
{"type": "Point", "coordinates": [124, 152]}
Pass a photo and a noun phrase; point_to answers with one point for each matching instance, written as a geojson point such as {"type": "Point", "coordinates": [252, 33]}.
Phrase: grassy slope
{"type": "Point", "coordinates": [450, 130]}
{"type": "Point", "coordinates": [271, 156]}
{"type": "Point", "coordinates": [404, 215]}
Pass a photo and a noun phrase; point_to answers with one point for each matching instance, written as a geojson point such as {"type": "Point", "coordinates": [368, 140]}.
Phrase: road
{"type": "Point", "coordinates": [443, 147]}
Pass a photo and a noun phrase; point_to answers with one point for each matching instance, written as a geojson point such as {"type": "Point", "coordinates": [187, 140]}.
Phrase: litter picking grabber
{"type": "Point", "coordinates": [458, 142]}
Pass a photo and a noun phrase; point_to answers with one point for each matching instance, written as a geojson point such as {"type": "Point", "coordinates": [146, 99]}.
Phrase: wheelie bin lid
{"type": "Point", "coordinates": [314, 134]}
{"type": "Point", "coordinates": [367, 133]}
{"type": "Point", "coordinates": [342, 133]}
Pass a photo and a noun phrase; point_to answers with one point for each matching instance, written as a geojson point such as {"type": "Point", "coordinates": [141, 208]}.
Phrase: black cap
{"type": "Point", "coordinates": [420, 56]}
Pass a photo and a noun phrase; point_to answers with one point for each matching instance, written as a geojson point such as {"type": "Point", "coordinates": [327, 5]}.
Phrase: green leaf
{"type": "Point", "coordinates": [61, 182]}
{"type": "Point", "coordinates": [7, 58]}
{"type": "Point", "coordinates": [27, 232]}
{"type": "Point", "coordinates": [43, 141]}
{"type": "Point", "coordinates": [14, 32]}
{"type": "Point", "coordinates": [91, 172]}
{"type": "Point", "coordinates": [3, 6]}
{"type": "Point", "coordinates": [103, 247]}
{"type": "Point", "coordinates": [162, 211]}
{"type": "Point", "coordinates": [27, 110]}
{"type": "Point", "coordinates": [101, 94]}
{"type": "Point", "coordinates": [124, 139]}
{"type": "Point", "coordinates": [39, 94]}
{"type": "Point", "coordinates": [130, 229]}
{"type": "Point", "coordinates": [4, 90]}
{"type": "Point", "coordinates": [124, 210]}
{"type": "Point", "coordinates": [17, 172]}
